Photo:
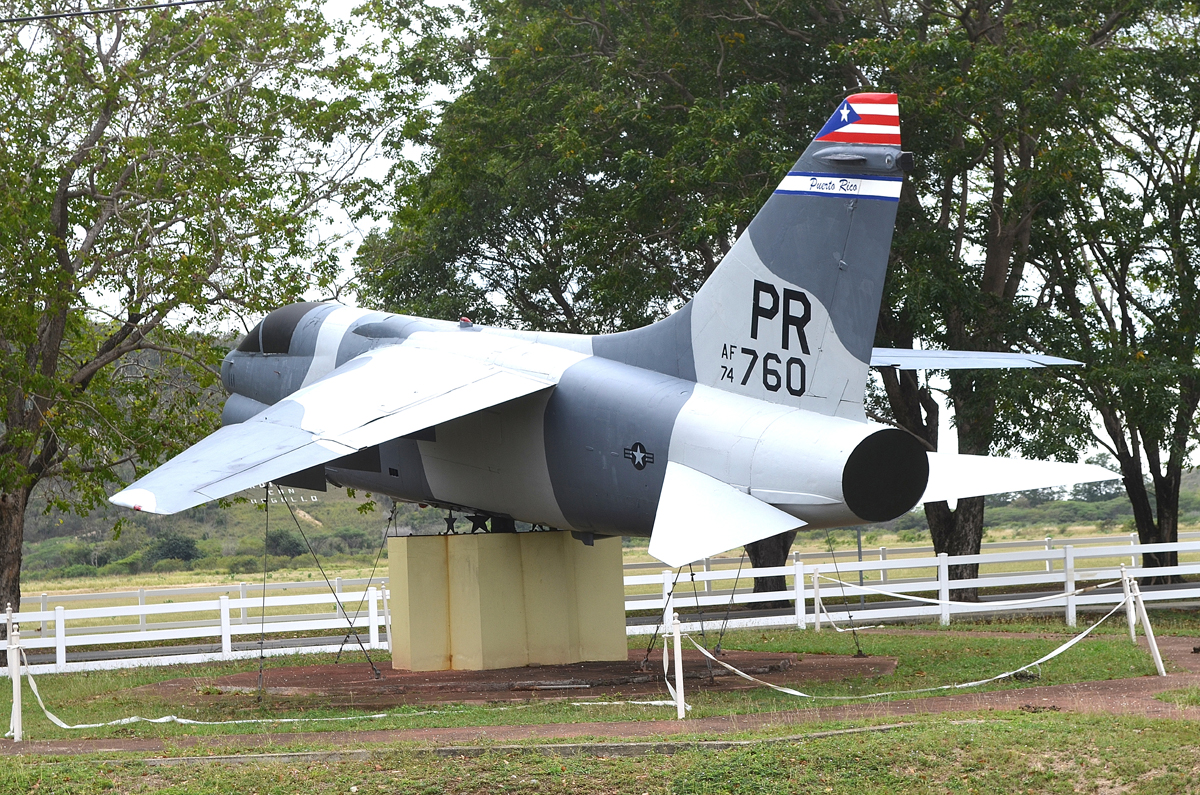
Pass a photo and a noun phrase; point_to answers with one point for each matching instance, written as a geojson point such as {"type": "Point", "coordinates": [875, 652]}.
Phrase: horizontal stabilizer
{"type": "Point", "coordinates": [375, 397]}
{"type": "Point", "coordinates": [699, 516]}
{"type": "Point", "coordinates": [958, 476]}
{"type": "Point", "coordinates": [911, 359]}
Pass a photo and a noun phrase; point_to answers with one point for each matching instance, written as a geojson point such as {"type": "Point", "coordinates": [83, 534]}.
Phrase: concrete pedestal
{"type": "Point", "coordinates": [499, 600]}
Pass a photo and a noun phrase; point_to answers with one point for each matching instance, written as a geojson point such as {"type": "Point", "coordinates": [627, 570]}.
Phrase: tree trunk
{"type": "Point", "coordinates": [958, 532]}
{"type": "Point", "coordinates": [12, 534]}
{"type": "Point", "coordinates": [771, 551]}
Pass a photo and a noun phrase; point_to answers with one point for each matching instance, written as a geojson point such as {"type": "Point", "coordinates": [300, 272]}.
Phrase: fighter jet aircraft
{"type": "Point", "coordinates": [736, 418]}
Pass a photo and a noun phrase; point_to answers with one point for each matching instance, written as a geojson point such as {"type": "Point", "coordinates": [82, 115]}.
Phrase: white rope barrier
{"type": "Point", "coordinates": [1009, 603]}
{"type": "Point", "coordinates": [961, 685]}
{"type": "Point", "coordinates": [191, 722]}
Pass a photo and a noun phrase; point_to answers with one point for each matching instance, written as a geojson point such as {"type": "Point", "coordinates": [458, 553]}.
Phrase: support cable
{"type": "Point", "coordinates": [728, 607]}
{"type": "Point", "coordinates": [845, 602]}
{"type": "Point", "coordinates": [700, 611]}
{"type": "Point", "coordinates": [92, 12]}
{"type": "Point", "coordinates": [362, 601]}
{"type": "Point", "coordinates": [657, 627]}
{"type": "Point", "coordinates": [336, 600]}
{"type": "Point", "coordinates": [262, 633]}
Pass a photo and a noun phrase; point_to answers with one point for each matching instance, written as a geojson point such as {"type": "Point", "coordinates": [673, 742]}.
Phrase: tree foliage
{"type": "Point", "coordinates": [160, 173]}
{"type": "Point", "coordinates": [1122, 264]}
{"type": "Point", "coordinates": [597, 160]}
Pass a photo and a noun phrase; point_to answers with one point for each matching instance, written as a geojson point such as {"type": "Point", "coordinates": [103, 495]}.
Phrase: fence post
{"type": "Point", "coordinates": [882, 571]}
{"type": "Point", "coordinates": [680, 706]}
{"type": "Point", "coordinates": [387, 616]}
{"type": "Point", "coordinates": [1130, 614]}
{"type": "Point", "coordinates": [242, 592]}
{"type": "Point", "coordinates": [142, 603]}
{"type": "Point", "coordinates": [1133, 543]}
{"type": "Point", "coordinates": [42, 631]}
{"type": "Point", "coordinates": [1069, 582]}
{"type": "Point", "coordinates": [373, 616]}
{"type": "Point", "coordinates": [1149, 630]}
{"type": "Point", "coordinates": [817, 606]}
{"type": "Point", "coordinates": [708, 568]}
{"type": "Point", "coordinates": [60, 639]}
{"type": "Point", "coordinates": [226, 640]}
{"type": "Point", "coordinates": [667, 597]}
{"type": "Point", "coordinates": [944, 588]}
{"type": "Point", "coordinates": [1049, 546]}
{"type": "Point", "coordinates": [337, 589]}
{"type": "Point", "coordinates": [798, 581]}
{"type": "Point", "coordinates": [14, 672]}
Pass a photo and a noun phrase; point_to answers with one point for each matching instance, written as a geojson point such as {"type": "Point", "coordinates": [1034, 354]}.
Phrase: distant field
{"type": "Point", "coordinates": [65, 553]}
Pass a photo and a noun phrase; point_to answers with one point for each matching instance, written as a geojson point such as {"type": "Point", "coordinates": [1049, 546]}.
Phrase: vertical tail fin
{"type": "Point", "coordinates": [789, 315]}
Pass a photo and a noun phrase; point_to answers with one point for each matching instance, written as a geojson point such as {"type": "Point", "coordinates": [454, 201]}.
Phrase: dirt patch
{"type": "Point", "coordinates": [354, 684]}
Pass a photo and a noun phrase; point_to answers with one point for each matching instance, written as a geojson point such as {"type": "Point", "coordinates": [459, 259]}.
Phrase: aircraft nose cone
{"type": "Point", "coordinates": [885, 475]}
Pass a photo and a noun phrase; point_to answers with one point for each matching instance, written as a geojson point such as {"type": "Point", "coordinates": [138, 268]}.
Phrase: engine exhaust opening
{"type": "Point", "coordinates": [885, 475]}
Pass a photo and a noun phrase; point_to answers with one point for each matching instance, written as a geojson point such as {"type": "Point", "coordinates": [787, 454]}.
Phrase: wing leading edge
{"type": "Point", "coordinates": [378, 396]}
{"type": "Point", "coordinates": [912, 359]}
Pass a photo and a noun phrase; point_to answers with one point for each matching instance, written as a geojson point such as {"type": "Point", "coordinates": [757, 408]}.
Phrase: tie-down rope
{"type": "Point", "coordinates": [1036, 663]}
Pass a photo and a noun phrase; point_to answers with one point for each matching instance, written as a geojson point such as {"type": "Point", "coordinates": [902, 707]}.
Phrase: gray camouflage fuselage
{"type": "Point", "coordinates": [757, 382]}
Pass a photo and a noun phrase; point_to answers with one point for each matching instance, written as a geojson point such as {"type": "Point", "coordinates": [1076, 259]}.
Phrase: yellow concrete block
{"type": "Point", "coordinates": [599, 598]}
{"type": "Point", "coordinates": [476, 602]}
{"type": "Point", "coordinates": [551, 618]}
{"type": "Point", "coordinates": [420, 609]}
{"type": "Point", "coordinates": [487, 602]}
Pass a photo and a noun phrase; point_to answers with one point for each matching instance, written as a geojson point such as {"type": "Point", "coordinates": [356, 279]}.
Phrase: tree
{"type": "Point", "coordinates": [599, 160]}
{"type": "Point", "coordinates": [999, 100]}
{"type": "Point", "coordinates": [1123, 262]}
{"type": "Point", "coordinates": [160, 173]}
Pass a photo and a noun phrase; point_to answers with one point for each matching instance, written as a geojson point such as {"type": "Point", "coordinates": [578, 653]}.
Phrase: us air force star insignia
{"type": "Point", "coordinates": [639, 456]}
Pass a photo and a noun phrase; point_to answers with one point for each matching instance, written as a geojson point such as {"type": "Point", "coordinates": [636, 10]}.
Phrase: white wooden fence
{"type": "Point", "coordinates": [62, 635]}
{"type": "Point", "coordinates": [1066, 569]}
{"type": "Point", "coordinates": [178, 616]}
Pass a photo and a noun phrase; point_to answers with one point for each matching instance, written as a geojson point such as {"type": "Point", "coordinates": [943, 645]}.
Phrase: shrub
{"type": "Point", "coordinates": [79, 570]}
{"type": "Point", "coordinates": [172, 545]}
{"type": "Point", "coordinates": [171, 564]}
{"type": "Point", "coordinates": [354, 538]}
{"type": "Point", "coordinates": [284, 543]}
{"type": "Point", "coordinates": [242, 564]}
{"type": "Point", "coordinates": [132, 564]}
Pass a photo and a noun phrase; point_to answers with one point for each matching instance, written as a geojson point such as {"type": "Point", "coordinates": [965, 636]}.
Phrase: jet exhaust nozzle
{"type": "Point", "coordinates": [885, 475]}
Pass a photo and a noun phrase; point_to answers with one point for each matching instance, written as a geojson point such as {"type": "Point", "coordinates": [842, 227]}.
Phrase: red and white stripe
{"type": "Point", "coordinates": [879, 121]}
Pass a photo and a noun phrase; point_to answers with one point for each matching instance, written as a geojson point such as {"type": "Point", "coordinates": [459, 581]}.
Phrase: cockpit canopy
{"type": "Point", "coordinates": [274, 333]}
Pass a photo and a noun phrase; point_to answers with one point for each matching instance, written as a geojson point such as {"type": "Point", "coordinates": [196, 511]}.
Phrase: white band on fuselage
{"type": "Point", "coordinates": [329, 340]}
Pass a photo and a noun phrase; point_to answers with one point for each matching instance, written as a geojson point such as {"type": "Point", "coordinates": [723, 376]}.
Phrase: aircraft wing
{"type": "Point", "coordinates": [699, 516]}
{"type": "Point", "coordinates": [954, 476]}
{"type": "Point", "coordinates": [912, 359]}
{"type": "Point", "coordinates": [380, 395]}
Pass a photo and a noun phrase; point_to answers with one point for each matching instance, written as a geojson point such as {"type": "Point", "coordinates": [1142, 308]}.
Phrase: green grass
{"type": "Point", "coordinates": [924, 661]}
{"type": "Point", "coordinates": [1166, 621]}
{"type": "Point", "coordinates": [996, 753]}
{"type": "Point", "coordinates": [1185, 697]}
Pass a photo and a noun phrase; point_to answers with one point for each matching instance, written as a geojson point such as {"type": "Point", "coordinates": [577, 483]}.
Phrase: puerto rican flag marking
{"type": "Point", "coordinates": [864, 119]}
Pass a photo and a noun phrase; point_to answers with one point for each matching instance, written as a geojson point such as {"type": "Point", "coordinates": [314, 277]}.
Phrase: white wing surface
{"type": "Point", "coordinates": [699, 516]}
{"type": "Point", "coordinates": [910, 359]}
{"type": "Point", "coordinates": [954, 476]}
{"type": "Point", "coordinates": [378, 396]}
